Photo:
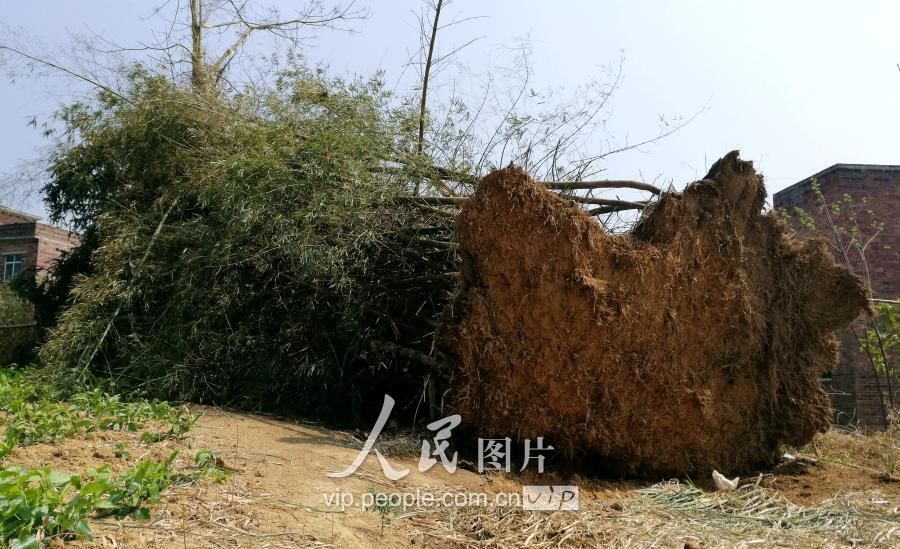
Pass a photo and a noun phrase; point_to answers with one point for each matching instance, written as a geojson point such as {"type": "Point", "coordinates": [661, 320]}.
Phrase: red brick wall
{"type": "Point", "coordinates": [874, 193]}
{"type": "Point", "coordinates": [26, 245]}
{"type": "Point", "coordinates": [40, 244]}
{"type": "Point", "coordinates": [53, 241]}
{"type": "Point", "coordinates": [11, 216]}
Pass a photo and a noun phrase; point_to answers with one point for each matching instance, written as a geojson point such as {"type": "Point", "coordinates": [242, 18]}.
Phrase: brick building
{"type": "Point", "coordinates": [868, 197]}
{"type": "Point", "coordinates": [25, 243]}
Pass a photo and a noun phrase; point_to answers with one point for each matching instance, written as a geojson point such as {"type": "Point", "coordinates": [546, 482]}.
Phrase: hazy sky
{"type": "Point", "coordinates": [796, 85]}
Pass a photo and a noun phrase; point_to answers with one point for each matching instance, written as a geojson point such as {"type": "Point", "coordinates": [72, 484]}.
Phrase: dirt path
{"type": "Point", "coordinates": [282, 471]}
{"type": "Point", "coordinates": [276, 494]}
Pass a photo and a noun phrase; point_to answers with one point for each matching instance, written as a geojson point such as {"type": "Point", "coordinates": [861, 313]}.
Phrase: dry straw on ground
{"type": "Point", "coordinates": [673, 514]}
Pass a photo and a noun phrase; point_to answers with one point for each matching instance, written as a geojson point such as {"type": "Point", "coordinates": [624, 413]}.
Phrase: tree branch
{"type": "Point", "coordinates": [222, 63]}
{"type": "Point", "coordinates": [460, 200]}
{"type": "Point", "coordinates": [427, 72]}
{"type": "Point", "coordinates": [606, 184]}
{"type": "Point", "coordinates": [65, 70]}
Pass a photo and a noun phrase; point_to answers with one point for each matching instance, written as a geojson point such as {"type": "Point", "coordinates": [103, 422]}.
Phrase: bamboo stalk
{"type": "Point", "coordinates": [460, 200]}
{"type": "Point", "coordinates": [437, 243]}
{"type": "Point", "coordinates": [405, 352]}
{"type": "Point", "coordinates": [608, 209]}
{"type": "Point", "coordinates": [435, 200]}
{"type": "Point", "coordinates": [605, 184]}
{"type": "Point", "coordinates": [625, 204]}
{"type": "Point", "coordinates": [424, 278]}
{"type": "Point", "coordinates": [143, 260]}
{"type": "Point", "coordinates": [437, 15]}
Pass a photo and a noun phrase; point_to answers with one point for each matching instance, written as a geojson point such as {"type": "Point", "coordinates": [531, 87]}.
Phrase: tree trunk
{"type": "Point", "coordinates": [197, 79]}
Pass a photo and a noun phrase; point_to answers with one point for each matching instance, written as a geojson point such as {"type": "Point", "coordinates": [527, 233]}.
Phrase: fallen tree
{"type": "Point", "coordinates": [279, 258]}
{"type": "Point", "coordinates": [266, 252]}
{"type": "Point", "coordinates": [695, 342]}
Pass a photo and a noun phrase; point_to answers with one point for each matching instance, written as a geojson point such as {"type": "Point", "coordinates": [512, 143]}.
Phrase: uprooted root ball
{"type": "Point", "coordinates": [693, 343]}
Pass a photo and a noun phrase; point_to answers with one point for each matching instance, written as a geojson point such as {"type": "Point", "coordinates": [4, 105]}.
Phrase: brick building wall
{"type": "Point", "coordinates": [53, 242]}
{"type": "Point", "coordinates": [8, 217]}
{"type": "Point", "coordinates": [37, 243]}
{"type": "Point", "coordinates": [867, 197]}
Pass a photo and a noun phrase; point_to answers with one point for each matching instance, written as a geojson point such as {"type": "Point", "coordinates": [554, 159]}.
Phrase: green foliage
{"type": "Point", "coordinates": [805, 220]}
{"type": "Point", "coordinates": [178, 426]}
{"type": "Point", "coordinates": [34, 413]}
{"type": "Point", "coordinates": [138, 487]}
{"type": "Point", "coordinates": [14, 309]}
{"type": "Point", "coordinates": [883, 344]}
{"type": "Point", "coordinates": [36, 504]}
{"type": "Point", "coordinates": [120, 450]}
{"type": "Point", "coordinates": [249, 249]}
{"type": "Point", "coordinates": [209, 465]}
{"type": "Point", "coordinates": [205, 459]}
{"type": "Point", "coordinates": [49, 295]}
{"type": "Point", "coordinates": [381, 504]}
{"type": "Point", "coordinates": [17, 338]}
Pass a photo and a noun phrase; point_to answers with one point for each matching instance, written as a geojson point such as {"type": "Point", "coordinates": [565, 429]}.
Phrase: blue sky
{"type": "Point", "coordinates": [797, 86]}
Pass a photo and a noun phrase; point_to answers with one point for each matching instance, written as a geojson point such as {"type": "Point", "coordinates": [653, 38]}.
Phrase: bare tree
{"type": "Point", "coordinates": [207, 35]}
{"type": "Point", "coordinates": [239, 20]}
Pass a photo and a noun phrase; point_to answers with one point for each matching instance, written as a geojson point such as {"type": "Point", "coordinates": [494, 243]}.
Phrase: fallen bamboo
{"type": "Point", "coordinates": [608, 209]}
{"type": "Point", "coordinates": [624, 204]}
{"type": "Point", "coordinates": [606, 184]}
{"type": "Point", "coordinates": [460, 200]}
{"type": "Point", "coordinates": [406, 352]}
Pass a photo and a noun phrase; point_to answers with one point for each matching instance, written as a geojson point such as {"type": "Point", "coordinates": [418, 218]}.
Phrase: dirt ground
{"type": "Point", "coordinates": [275, 496]}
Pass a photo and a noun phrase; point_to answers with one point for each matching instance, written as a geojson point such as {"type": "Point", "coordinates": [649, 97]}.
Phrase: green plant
{"type": "Point", "coordinates": [139, 487]}
{"type": "Point", "coordinates": [14, 309]}
{"type": "Point", "coordinates": [39, 503]}
{"type": "Point", "coordinates": [120, 450]}
{"type": "Point", "coordinates": [18, 333]}
{"type": "Point", "coordinates": [381, 504]}
{"type": "Point", "coordinates": [36, 504]}
{"type": "Point", "coordinates": [881, 343]}
{"type": "Point", "coordinates": [210, 466]}
{"type": "Point", "coordinates": [297, 259]}
{"type": "Point", "coordinates": [205, 459]}
{"type": "Point", "coordinates": [179, 424]}
{"type": "Point", "coordinates": [34, 413]}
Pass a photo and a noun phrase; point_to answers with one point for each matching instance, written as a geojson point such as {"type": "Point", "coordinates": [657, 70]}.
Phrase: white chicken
{"type": "Point", "coordinates": [723, 483]}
